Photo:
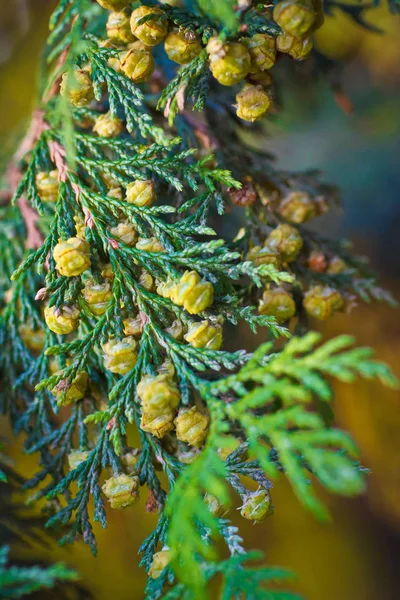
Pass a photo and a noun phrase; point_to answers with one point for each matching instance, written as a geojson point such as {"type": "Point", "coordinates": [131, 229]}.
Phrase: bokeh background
{"type": "Point", "coordinates": [357, 556]}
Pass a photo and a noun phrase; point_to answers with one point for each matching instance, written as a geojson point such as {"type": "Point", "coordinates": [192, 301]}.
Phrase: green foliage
{"type": "Point", "coordinates": [270, 402]}
{"type": "Point", "coordinates": [16, 582]}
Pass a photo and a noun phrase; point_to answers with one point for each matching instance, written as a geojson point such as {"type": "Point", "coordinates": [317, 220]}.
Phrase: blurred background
{"type": "Point", "coordinates": [356, 557]}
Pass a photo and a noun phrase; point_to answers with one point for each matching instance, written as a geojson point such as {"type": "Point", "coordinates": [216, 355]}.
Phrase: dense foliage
{"type": "Point", "coordinates": [150, 230]}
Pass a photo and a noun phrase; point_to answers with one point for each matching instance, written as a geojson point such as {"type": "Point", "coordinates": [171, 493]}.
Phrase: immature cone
{"type": "Point", "coordinates": [33, 339]}
{"type": "Point", "coordinates": [97, 295]}
{"type": "Point", "coordinates": [277, 303]}
{"type": "Point", "coordinates": [229, 64]}
{"type": "Point", "coordinates": [150, 245]}
{"type": "Point", "coordinates": [78, 87]}
{"type": "Point", "coordinates": [295, 17]}
{"type": "Point", "coordinates": [72, 256]}
{"type": "Point", "coordinates": [120, 355]}
{"type": "Point", "coordinates": [298, 207]}
{"type": "Point", "coordinates": [321, 302]}
{"type": "Point", "coordinates": [193, 293]}
{"type": "Point", "coordinates": [122, 490]}
{"type": "Point", "coordinates": [157, 424]}
{"type": "Point", "coordinates": [256, 506]}
{"type": "Point", "coordinates": [253, 102]}
{"type": "Point", "coordinates": [158, 393]}
{"type": "Point", "coordinates": [182, 46]}
{"type": "Point", "coordinates": [47, 185]}
{"type": "Point", "coordinates": [205, 335]}
{"type": "Point", "coordinates": [74, 392]}
{"type": "Point", "coordinates": [137, 62]}
{"type": "Point", "coordinates": [151, 32]}
{"type": "Point", "coordinates": [125, 232]}
{"type": "Point", "coordinates": [159, 563]}
{"type": "Point", "coordinates": [262, 52]}
{"type": "Point", "coordinates": [76, 458]}
{"type": "Point", "coordinates": [285, 240]}
{"type": "Point", "coordinates": [108, 126]}
{"type": "Point", "coordinates": [141, 192]}
{"type": "Point", "coordinates": [191, 426]}
{"type": "Point", "coordinates": [263, 256]}
{"type": "Point", "coordinates": [61, 320]}
{"type": "Point", "coordinates": [298, 49]}
{"type": "Point", "coordinates": [119, 28]}
{"type": "Point", "coordinates": [113, 4]}
{"type": "Point", "coordinates": [133, 326]}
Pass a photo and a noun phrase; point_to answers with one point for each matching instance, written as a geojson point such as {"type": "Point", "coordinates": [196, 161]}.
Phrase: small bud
{"type": "Point", "coordinates": [157, 424]}
{"type": "Point", "coordinates": [125, 232]}
{"type": "Point", "coordinates": [97, 295]}
{"type": "Point", "coordinates": [262, 52]}
{"type": "Point", "coordinates": [176, 329]}
{"type": "Point", "coordinates": [78, 87]}
{"type": "Point", "coordinates": [229, 63]}
{"type": "Point", "coordinates": [263, 78]}
{"type": "Point", "coordinates": [182, 46]}
{"type": "Point", "coordinates": [256, 506]}
{"type": "Point", "coordinates": [119, 28]}
{"type": "Point", "coordinates": [213, 505]}
{"type": "Point", "coordinates": [191, 426]}
{"type": "Point", "coordinates": [192, 292]}
{"type": "Point", "coordinates": [76, 458]}
{"type": "Point", "coordinates": [146, 280]}
{"type": "Point", "coordinates": [107, 271]}
{"type": "Point", "coordinates": [277, 303]}
{"type": "Point", "coordinates": [158, 393]}
{"type": "Point", "coordinates": [321, 302]}
{"type": "Point", "coordinates": [246, 196]}
{"type": "Point", "coordinates": [62, 320]}
{"type": "Point", "coordinates": [33, 339]}
{"type": "Point", "coordinates": [336, 266]}
{"type": "Point", "coordinates": [263, 256]}
{"type": "Point", "coordinates": [159, 563]}
{"type": "Point", "coordinates": [120, 355]}
{"type": "Point", "coordinates": [205, 335]}
{"type": "Point", "coordinates": [253, 102]}
{"type": "Point", "coordinates": [230, 444]}
{"type": "Point", "coordinates": [108, 126]}
{"type": "Point", "coordinates": [133, 326]}
{"type": "Point", "coordinates": [80, 227]}
{"type": "Point", "coordinates": [285, 240]}
{"type": "Point", "coordinates": [72, 256]}
{"type": "Point", "coordinates": [317, 262]}
{"type": "Point", "coordinates": [298, 207]}
{"type": "Point", "coordinates": [122, 490]}
{"type": "Point", "coordinates": [47, 185]}
{"type": "Point", "coordinates": [137, 63]}
{"type": "Point", "coordinates": [130, 460]}
{"type": "Point", "coordinates": [152, 31]}
{"type": "Point", "coordinates": [73, 393]}
{"type": "Point", "coordinates": [141, 192]}
{"type": "Point", "coordinates": [116, 192]}
{"type": "Point", "coordinates": [149, 245]}
{"type": "Point", "coordinates": [294, 17]}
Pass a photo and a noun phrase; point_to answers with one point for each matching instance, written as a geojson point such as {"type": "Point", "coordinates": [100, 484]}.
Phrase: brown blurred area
{"type": "Point", "coordinates": [356, 556]}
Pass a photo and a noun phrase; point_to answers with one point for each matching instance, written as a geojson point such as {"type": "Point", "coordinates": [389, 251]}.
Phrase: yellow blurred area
{"type": "Point", "coordinates": [355, 556]}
